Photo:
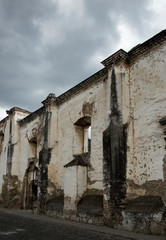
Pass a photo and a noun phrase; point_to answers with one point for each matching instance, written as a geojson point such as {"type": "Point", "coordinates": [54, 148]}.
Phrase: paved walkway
{"type": "Point", "coordinates": [120, 234]}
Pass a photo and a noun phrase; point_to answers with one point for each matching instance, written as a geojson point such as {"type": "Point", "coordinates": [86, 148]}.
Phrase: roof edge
{"type": "Point", "coordinates": [4, 119]}
{"type": "Point", "coordinates": [126, 57]}
{"type": "Point", "coordinates": [117, 56]}
{"type": "Point", "coordinates": [148, 44]}
{"type": "Point", "coordinates": [80, 86]}
{"type": "Point", "coordinates": [17, 109]}
{"type": "Point", "coordinates": [31, 116]}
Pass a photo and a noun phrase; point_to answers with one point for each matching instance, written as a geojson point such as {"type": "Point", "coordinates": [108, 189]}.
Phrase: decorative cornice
{"type": "Point", "coordinates": [127, 57]}
{"type": "Point", "coordinates": [120, 55]}
{"type": "Point", "coordinates": [147, 45]}
{"type": "Point", "coordinates": [17, 109]}
{"type": "Point", "coordinates": [31, 116]}
{"type": "Point", "coordinates": [81, 86]}
{"type": "Point", "coordinates": [50, 98]}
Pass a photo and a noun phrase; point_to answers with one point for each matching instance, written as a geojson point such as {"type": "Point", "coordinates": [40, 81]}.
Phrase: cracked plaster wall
{"type": "Point", "coordinates": [3, 155]}
{"type": "Point", "coordinates": [29, 131]}
{"type": "Point", "coordinates": [62, 143]}
{"type": "Point", "coordinates": [16, 159]}
{"type": "Point", "coordinates": [10, 155]}
{"type": "Point", "coordinates": [148, 104]}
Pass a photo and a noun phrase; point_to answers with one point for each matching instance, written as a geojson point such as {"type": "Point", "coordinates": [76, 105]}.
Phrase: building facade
{"type": "Point", "coordinates": [96, 153]}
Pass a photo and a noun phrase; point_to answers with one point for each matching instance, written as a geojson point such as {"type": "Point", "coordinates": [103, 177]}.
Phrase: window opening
{"type": "Point", "coordinates": [31, 186]}
{"type": "Point", "coordinates": [33, 147]}
{"type": "Point", "coordinates": [1, 141]}
{"type": "Point", "coordinates": [83, 134]}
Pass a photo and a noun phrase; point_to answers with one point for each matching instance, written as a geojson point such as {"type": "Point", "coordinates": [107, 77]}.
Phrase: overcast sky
{"type": "Point", "coordinates": [48, 46]}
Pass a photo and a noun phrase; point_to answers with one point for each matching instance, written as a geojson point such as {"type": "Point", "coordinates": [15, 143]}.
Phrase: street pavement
{"type": "Point", "coordinates": [23, 225]}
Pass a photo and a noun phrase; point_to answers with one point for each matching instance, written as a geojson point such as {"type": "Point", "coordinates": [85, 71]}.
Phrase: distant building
{"type": "Point", "coordinates": [96, 153]}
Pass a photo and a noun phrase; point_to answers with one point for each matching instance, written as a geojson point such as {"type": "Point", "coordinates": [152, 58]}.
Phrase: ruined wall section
{"type": "Point", "coordinates": [10, 185]}
{"type": "Point", "coordinates": [17, 116]}
{"type": "Point", "coordinates": [31, 143]}
{"type": "Point", "coordinates": [30, 131]}
{"type": "Point", "coordinates": [90, 102]}
{"type": "Point", "coordinates": [115, 144]}
{"type": "Point", "coordinates": [4, 129]}
{"type": "Point", "coordinates": [54, 189]}
{"type": "Point", "coordinates": [148, 104]}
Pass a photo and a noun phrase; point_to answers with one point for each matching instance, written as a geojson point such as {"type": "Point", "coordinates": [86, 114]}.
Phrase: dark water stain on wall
{"type": "Point", "coordinates": [44, 159]}
{"type": "Point", "coordinates": [114, 152]}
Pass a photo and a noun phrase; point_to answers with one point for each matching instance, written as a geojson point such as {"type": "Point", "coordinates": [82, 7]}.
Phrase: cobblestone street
{"type": "Point", "coordinates": [14, 226]}
{"type": "Point", "coordinates": [23, 225]}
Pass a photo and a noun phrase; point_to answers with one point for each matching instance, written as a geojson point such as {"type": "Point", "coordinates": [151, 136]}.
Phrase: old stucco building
{"type": "Point", "coordinates": [96, 153]}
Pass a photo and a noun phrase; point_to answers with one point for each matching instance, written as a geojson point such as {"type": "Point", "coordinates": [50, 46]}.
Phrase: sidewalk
{"type": "Point", "coordinates": [120, 234]}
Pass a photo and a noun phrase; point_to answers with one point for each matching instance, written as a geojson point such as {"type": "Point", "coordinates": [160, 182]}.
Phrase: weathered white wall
{"type": "Point", "coordinates": [53, 142]}
{"type": "Point", "coordinates": [64, 139]}
{"type": "Point", "coordinates": [3, 155]}
{"type": "Point", "coordinates": [75, 181]}
{"type": "Point", "coordinates": [75, 184]}
{"type": "Point", "coordinates": [64, 133]}
{"type": "Point", "coordinates": [148, 105]}
{"type": "Point", "coordinates": [28, 131]}
{"type": "Point", "coordinates": [14, 138]}
{"type": "Point", "coordinates": [70, 182]}
{"type": "Point", "coordinates": [82, 180]}
{"type": "Point", "coordinates": [16, 161]}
